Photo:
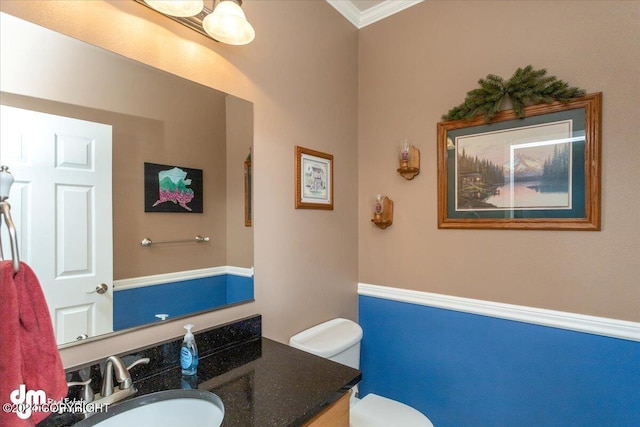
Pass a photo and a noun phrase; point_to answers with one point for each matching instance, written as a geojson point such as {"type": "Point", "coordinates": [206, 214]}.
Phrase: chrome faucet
{"type": "Point", "coordinates": [115, 365]}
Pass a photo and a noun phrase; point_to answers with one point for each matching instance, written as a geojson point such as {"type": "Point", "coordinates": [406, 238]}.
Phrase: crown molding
{"type": "Point", "coordinates": [374, 14]}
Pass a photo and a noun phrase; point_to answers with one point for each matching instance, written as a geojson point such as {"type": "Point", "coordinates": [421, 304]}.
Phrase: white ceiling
{"type": "Point", "coordinates": [364, 12]}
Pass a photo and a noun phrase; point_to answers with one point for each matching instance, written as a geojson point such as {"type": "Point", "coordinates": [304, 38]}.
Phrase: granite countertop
{"type": "Point", "coordinates": [261, 382]}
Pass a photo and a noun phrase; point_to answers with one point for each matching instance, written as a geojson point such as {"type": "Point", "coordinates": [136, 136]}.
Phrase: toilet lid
{"type": "Point", "coordinates": [378, 411]}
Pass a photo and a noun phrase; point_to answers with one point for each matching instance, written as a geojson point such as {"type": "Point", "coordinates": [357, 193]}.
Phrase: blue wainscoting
{"type": "Point", "coordinates": [139, 306]}
{"type": "Point", "coordinates": [469, 370]}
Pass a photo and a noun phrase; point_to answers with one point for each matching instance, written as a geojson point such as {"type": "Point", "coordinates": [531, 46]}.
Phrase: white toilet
{"type": "Point", "coordinates": [339, 340]}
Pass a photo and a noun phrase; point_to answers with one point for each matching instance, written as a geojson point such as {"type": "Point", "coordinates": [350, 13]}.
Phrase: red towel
{"type": "Point", "coordinates": [28, 350]}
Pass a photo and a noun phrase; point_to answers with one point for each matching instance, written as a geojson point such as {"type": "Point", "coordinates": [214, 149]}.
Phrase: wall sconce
{"type": "Point", "coordinates": [409, 160]}
{"type": "Point", "coordinates": [383, 214]}
{"type": "Point", "coordinates": [227, 23]}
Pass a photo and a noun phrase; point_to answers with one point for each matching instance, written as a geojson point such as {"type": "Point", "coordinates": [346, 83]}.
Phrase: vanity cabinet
{"type": "Point", "coordinates": [336, 415]}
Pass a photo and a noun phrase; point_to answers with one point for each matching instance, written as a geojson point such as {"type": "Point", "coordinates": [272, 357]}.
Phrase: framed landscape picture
{"type": "Point", "coordinates": [538, 172]}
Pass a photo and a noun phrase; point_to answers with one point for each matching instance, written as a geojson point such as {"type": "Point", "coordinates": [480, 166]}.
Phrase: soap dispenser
{"type": "Point", "coordinates": [189, 353]}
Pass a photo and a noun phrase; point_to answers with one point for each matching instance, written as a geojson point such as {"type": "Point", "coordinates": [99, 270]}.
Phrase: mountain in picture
{"type": "Point", "coordinates": [525, 167]}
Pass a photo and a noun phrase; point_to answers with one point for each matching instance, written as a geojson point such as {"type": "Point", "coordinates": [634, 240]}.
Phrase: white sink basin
{"type": "Point", "coordinates": [168, 408]}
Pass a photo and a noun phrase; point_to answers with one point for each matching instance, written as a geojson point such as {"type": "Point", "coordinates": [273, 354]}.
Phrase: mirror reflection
{"type": "Point", "coordinates": [78, 125]}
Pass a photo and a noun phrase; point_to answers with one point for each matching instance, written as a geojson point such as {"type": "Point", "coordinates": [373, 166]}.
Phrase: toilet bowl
{"type": "Point", "coordinates": [339, 340]}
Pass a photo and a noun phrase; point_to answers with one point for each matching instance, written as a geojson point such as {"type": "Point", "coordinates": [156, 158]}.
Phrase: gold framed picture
{"type": "Point", "coordinates": [314, 179]}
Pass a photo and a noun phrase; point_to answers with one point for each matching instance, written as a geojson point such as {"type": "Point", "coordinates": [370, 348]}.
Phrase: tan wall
{"type": "Point", "coordinates": [417, 65]}
{"type": "Point", "coordinates": [301, 75]}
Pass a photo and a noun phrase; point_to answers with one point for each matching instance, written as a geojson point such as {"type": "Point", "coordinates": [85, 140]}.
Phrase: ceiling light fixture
{"type": "Point", "coordinates": [179, 8]}
{"type": "Point", "coordinates": [227, 23]}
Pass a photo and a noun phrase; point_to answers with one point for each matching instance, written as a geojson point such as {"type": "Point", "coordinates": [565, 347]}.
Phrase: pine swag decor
{"type": "Point", "coordinates": [526, 87]}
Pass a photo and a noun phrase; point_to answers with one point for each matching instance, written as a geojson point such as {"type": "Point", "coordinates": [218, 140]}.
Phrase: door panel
{"type": "Point", "coordinates": [65, 163]}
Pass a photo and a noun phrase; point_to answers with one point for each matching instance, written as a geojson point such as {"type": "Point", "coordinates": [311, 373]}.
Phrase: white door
{"type": "Point", "coordinates": [61, 205]}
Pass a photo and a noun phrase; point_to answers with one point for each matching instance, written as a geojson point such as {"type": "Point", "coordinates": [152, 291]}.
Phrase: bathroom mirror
{"type": "Point", "coordinates": [153, 120]}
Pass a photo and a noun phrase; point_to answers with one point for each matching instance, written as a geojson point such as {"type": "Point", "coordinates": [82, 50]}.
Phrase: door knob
{"type": "Point", "coordinates": [101, 289]}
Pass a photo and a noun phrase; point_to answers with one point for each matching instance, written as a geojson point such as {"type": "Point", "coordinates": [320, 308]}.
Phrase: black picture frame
{"type": "Point", "coordinates": [173, 189]}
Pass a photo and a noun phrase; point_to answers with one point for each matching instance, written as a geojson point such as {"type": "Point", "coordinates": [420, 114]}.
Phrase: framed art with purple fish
{"type": "Point", "coordinates": [172, 189]}
{"type": "Point", "coordinates": [537, 172]}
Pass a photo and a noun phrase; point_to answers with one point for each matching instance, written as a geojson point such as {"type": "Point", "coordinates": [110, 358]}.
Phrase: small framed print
{"type": "Point", "coordinates": [314, 179]}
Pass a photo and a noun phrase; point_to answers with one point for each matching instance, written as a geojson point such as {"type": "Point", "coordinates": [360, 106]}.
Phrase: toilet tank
{"type": "Point", "coordinates": [337, 340]}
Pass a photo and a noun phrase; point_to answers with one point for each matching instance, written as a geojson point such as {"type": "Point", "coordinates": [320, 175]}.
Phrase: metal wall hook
{"type": "Point", "coordinates": [6, 180]}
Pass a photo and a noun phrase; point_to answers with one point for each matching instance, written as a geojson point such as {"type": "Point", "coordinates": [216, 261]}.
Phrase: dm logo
{"type": "Point", "coordinates": [25, 400]}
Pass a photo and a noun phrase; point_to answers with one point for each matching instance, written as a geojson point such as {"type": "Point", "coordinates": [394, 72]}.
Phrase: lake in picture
{"type": "Point", "coordinates": [527, 195]}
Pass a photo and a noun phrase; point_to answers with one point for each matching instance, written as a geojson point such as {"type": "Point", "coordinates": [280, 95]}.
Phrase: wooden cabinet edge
{"type": "Point", "coordinates": [336, 415]}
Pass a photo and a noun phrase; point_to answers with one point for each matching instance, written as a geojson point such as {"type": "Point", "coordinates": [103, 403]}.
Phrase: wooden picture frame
{"type": "Point", "coordinates": [539, 172]}
{"type": "Point", "coordinates": [313, 179]}
{"type": "Point", "coordinates": [248, 192]}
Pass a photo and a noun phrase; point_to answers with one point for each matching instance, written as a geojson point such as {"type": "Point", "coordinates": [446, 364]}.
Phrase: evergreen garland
{"type": "Point", "coordinates": [526, 87]}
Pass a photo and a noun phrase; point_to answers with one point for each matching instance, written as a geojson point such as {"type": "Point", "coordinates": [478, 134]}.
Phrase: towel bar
{"type": "Point", "coordinates": [148, 242]}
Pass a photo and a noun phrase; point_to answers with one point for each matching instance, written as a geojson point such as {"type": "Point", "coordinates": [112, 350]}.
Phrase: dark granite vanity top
{"type": "Point", "coordinates": [281, 386]}
{"type": "Point", "coordinates": [261, 382]}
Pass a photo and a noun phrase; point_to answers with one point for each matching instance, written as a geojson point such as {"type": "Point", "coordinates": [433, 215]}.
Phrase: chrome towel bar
{"type": "Point", "coordinates": [148, 242]}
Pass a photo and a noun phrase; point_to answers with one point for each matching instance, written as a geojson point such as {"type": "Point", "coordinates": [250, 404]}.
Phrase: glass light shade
{"type": "Point", "coordinates": [228, 24]}
{"type": "Point", "coordinates": [379, 204]}
{"type": "Point", "coordinates": [405, 150]}
{"type": "Point", "coordinates": [181, 8]}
